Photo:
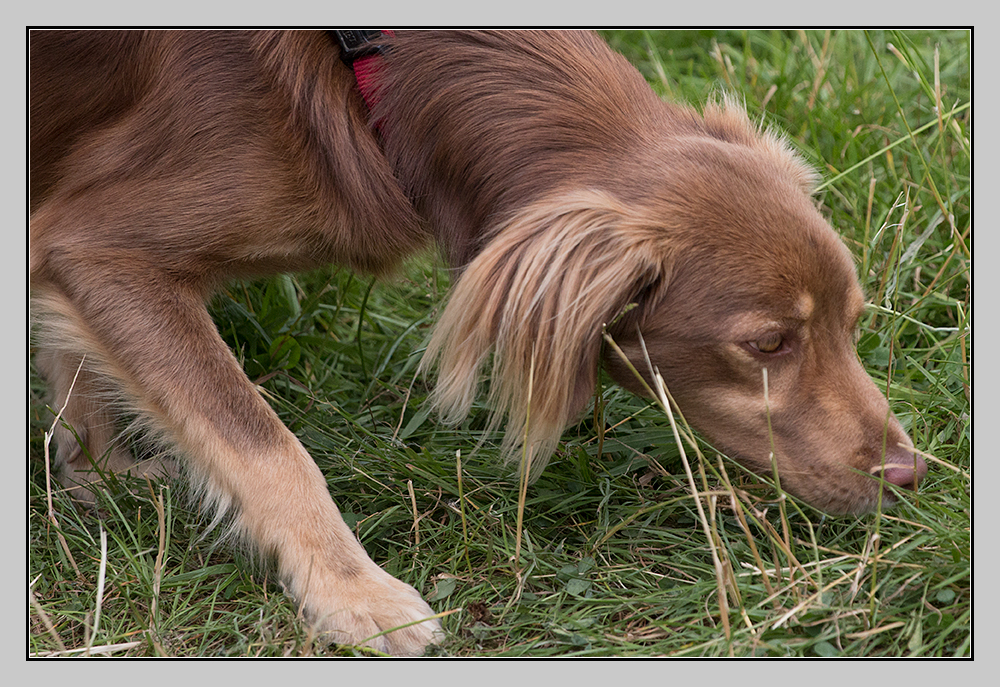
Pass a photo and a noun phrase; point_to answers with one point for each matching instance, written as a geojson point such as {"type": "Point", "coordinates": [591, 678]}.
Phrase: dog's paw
{"type": "Point", "coordinates": [81, 478]}
{"type": "Point", "coordinates": [375, 610]}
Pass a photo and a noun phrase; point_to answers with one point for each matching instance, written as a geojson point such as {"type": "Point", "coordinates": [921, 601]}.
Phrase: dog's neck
{"type": "Point", "coordinates": [478, 124]}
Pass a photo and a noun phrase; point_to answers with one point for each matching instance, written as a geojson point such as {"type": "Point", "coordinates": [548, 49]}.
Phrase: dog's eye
{"type": "Point", "coordinates": [769, 343]}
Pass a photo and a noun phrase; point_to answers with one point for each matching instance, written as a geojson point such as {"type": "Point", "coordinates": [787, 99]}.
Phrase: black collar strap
{"type": "Point", "coordinates": [358, 43]}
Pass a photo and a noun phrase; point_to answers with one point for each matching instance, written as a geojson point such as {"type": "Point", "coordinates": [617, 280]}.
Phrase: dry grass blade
{"type": "Point", "coordinates": [161, 525]}
{"type": "Point", "coordinates": [102, 650]}
{"type": "Point", "coordinates": [48, 472]}
{"type": "Point", "coordinates": [722, 573]}
{"type": "Point", "coordinates": [461, 508]}
{"type": "Point", "coordinates": [526, 455]}
{"type": "Point", "coordinates": [416, 517]}
{"type": "Point", "coordinates": [785, 540]}
{"type": "Point", "coordinates": [49, 627]}
{"type": "Point", "coordinates": [738, 510]}
{"type": "Point", "coordinates": [101, 577]}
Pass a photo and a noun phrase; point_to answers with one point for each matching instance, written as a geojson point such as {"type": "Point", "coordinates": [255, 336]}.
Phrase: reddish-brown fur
{"type": "Point", "coordinates": [164, 163]}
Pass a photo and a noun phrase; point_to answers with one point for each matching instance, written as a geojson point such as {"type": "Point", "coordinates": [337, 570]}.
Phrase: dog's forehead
{"type": "Point", "coordinates": [809, 271]}
{"type": "Point", "coordinates": [741, 203]}
{"type": "Point", "coordinates": [782, 268]}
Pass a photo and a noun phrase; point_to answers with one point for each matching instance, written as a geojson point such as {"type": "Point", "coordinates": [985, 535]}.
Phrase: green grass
{"type": "Point", "coordinates": [613, 557]}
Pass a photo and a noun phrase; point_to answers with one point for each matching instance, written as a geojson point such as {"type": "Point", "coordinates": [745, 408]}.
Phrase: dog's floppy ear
{"type": "Point", "coordinates": [726, 118]}
{"type": "Point", "coordinates": [537, 297]}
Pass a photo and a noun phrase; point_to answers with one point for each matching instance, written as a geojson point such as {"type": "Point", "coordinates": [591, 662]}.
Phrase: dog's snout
{"type": "Point", "coordinates": [902, 468]}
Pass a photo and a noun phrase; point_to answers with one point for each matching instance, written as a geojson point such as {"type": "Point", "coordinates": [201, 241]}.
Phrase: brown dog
{"type": "Point", "coordinates": [163, 164]}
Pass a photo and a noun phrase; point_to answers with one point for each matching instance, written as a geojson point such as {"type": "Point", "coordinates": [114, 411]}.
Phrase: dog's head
{"type": "Point", "coordinates": [733, 272]}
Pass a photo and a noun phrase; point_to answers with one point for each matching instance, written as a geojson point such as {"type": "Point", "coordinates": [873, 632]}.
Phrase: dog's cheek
{"type": "Point", "coordinates": [824, 443]}
{"type": "Point", "coordinates": [715, 392]}
{"type": "Point", "coordinates": [720, 391]}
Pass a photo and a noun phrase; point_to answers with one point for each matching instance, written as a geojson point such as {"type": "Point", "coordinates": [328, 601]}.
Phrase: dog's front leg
{"type": "Point", "coordinates": [151, 332]}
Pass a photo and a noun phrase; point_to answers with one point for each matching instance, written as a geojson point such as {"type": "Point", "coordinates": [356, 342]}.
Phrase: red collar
{"type": "Point", "coordinates": [361, 50]}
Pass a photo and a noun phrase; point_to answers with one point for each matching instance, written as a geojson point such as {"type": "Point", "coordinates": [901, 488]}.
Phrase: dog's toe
{"type": "Point", "coordinates": [379, 612]}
